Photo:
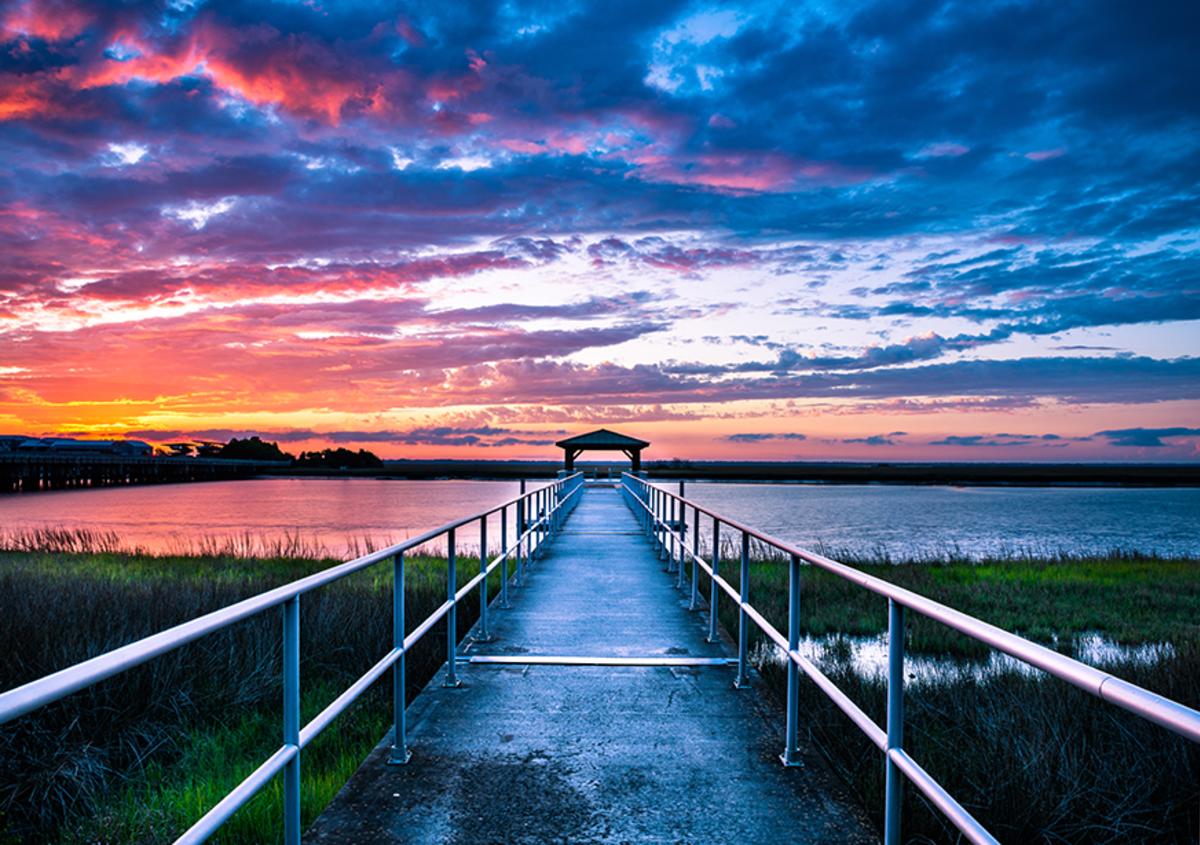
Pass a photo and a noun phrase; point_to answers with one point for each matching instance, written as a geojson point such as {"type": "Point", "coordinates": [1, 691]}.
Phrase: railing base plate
{"type": "Point", "coordinates": [395, 760]}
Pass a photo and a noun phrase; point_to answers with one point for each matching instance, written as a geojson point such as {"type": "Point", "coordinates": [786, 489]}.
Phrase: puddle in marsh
{"type": "Point", "coordinates": [868, 656]}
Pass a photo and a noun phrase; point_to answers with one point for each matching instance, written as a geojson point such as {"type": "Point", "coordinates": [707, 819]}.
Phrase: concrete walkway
{"type": "Point", "coordinates": [581, 754]}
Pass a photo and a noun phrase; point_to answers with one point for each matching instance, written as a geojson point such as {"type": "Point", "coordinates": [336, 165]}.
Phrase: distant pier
{"type": "Point", "coordinates": [27, 473]}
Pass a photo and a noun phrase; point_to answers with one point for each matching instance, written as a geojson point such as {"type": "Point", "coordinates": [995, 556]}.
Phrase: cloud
{"type": "Point", "coordinates": [1147, 437]}
{"type": "Point", "coordinates": [335, 209]}
{"type": "Point", "coordinates": [755, 437]}
{"type": "Point", "coordinates": [474, 436]}
{"type": "Point", "coordinates": [875, 439]}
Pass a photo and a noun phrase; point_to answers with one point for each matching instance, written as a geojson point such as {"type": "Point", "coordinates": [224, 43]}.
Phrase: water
{"type": "Point", "coordinates": [341, 517]}
{"type": "Point", "coordinates": [868, 657]}
{"type": "Point", "coordinates": [344, 515]}
{"type": "Point", "coordinates": [915, 522]}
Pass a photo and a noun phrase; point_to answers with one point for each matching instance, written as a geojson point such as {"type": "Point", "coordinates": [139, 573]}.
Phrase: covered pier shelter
{"type": "Point", "coordinates": [602, 440]}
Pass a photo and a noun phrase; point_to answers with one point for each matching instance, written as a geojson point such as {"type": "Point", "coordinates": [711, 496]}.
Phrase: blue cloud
{"type": "Point", "coordinates": [1147, 437]}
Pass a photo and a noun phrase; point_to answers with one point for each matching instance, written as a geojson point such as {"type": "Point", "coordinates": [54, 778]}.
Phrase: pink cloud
{"type": "Point", "coordinates": [943, 149]}
{"type": "Point", "coordinates": [53, 21]}
{"type": "Point", "coordinates": [1045, 155]}
{"type": "Point", "coordinates": [741, 172]}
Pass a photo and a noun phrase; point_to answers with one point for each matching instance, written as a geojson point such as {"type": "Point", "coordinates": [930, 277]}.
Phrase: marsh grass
{"type": "Point", "coordinates": [1128, 597]}
{"type": "Point", "coordinates": [289, 545]}
{"type": "Point", "coordinates": [1034, 759]}
{"type": "Point", "coordinates": [142, 755]}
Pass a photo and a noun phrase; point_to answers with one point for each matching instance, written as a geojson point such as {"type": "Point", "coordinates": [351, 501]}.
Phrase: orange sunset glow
{"type": "Point", "coordinates": [336, 227]}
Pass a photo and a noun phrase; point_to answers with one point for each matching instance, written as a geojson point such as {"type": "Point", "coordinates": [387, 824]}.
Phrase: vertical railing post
{"type": "Point", "coordinates": [647, 515]}
{"type": "Point", "coordinates": [658, 523]}
{"type": "Point", "coordinates": [652, 502]}
{"type": "Point", "coordinates": [648, 498]}
{"type": "Point", "coordinates": [695, 559]}
{"type": "Point", "coordinates": [713, 637]}
{"type": "Point", "coordinates": [669, 549]}
{"type": "Point", "coordinates": [656, 499]}
{"type": "Point", "coordinates": [681, 567]}
{"type": "Point", "coordinates": [538, 513]}
{"type": "Point", "coordinates": [895, 722]}
{"type": "Point", "coordinates": [743, 676]}
{"type": "Point", "coordinates": [521, 535]}
{"type": "Point", "coordinates": [452, 614]}
{"type": "Point", "coordinates": [400, 753]}
{"type": "Point", "coordinates": [791, 750]}
{"type": "Point", "coordinates": [504, 560]}
{"type": "Point", "coordinates": [541, 520]}
{"type": "Point", "coordinates": [484, 636]}
{"type": "Point", "coordinates": [663, 523]}
{"type": "Point", "coordinates": [291, 719]}
{"type": "Point", "coordinates": [682, 535]}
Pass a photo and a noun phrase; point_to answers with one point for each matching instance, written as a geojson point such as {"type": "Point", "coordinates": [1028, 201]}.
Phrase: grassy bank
{"type": "Point", "coordinates": [139, 757]}
{"type": "Point", "coordinates": [1129, 598]}
{"type": "Point", "coordinates": [1033, 759]}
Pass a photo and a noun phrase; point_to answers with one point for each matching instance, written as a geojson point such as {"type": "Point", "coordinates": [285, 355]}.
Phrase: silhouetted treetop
{"type": "Point", "coordinates": [253, 449]}
{"type": "Point", "coordinates": [339, 459]}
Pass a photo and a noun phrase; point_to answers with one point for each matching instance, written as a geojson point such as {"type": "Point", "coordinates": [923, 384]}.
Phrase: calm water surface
{"type": "Point", "coordinates": [920, 522]}
{"type": "Point", "coordinates": [343, 515]}
{"type": "Point", "coordinates": [339, 516]}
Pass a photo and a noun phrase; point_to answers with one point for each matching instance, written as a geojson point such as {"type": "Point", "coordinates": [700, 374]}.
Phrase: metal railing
{"type": "Point", "coordinates": [539, 514]}
{"type": "Point", "coordinates": [663, 515]}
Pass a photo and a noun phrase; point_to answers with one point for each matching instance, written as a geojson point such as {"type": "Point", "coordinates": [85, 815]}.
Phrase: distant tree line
{"type": "Point", "coordinates": [256, 449]}
{"type": "Point", "coordinates": [339, 459]}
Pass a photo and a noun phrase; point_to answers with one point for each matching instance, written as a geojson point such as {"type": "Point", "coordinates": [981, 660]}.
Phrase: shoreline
{"type": "Point", "coordinates": [915, 474]}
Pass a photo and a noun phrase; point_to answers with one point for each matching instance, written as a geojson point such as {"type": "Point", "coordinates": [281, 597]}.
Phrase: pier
{"type": "Point", "coordinates": [597, 711]}
{"type": "Point", "coordinates": [27, 473]}
{"type": "Point", "coordinates": [597, 699]}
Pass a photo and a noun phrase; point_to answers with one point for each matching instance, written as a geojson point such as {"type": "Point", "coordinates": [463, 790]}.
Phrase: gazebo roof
{"type": "Point", "coordinates": [602, 438]}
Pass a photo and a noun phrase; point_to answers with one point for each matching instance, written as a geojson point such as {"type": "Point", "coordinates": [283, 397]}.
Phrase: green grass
{"type": "Point", "coordinates": [1127, 598]}
{"type": "Point", "coordinates": [1034, 759]}
{"type": "Point", "coordinates": [141, 756]}
{"type": "Point", "coordinates": [161, 798]}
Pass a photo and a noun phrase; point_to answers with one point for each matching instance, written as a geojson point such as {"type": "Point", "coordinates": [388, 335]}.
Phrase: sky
{"type": "Point", "coordinates": [897, 230]}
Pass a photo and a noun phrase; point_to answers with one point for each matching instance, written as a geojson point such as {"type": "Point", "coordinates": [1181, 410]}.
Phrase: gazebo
{"type": "Point", "coordinates": [602, 440]}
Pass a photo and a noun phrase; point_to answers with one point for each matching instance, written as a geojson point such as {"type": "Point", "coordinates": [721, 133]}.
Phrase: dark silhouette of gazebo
{"type": "Point", "coordinates": [602, 440]}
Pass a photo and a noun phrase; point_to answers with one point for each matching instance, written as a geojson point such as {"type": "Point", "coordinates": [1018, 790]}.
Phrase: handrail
{"type": "Point", "coordinates": [656, 507]}
{"type": "Point", "coordinates": [539, 514]}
